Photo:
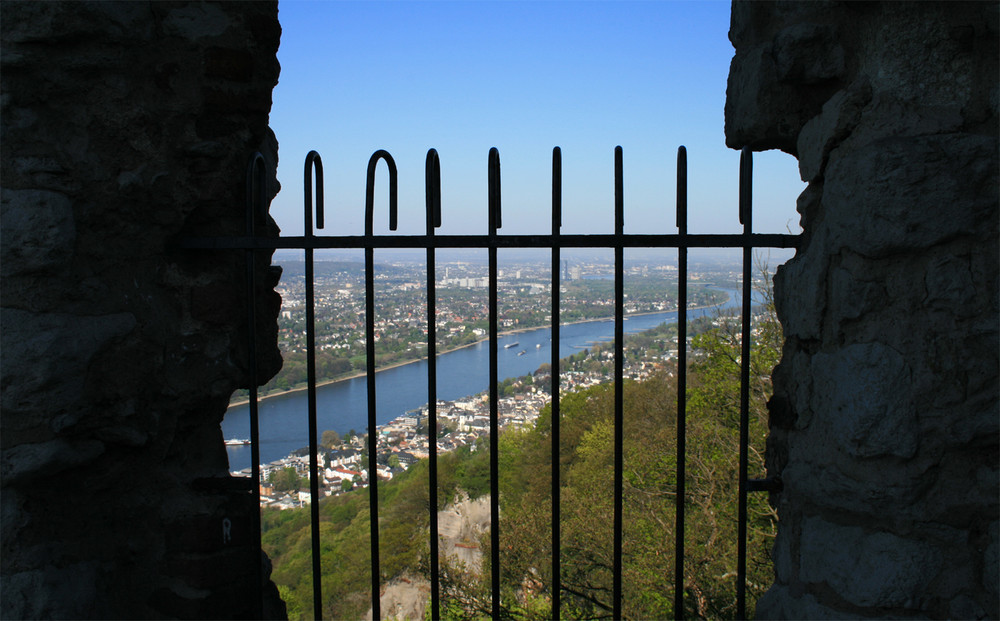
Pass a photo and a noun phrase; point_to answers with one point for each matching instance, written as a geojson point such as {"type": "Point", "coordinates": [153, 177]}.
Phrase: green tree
{"type": "Point", "coordinates": [330, 439]}
{"type": "Point", "coordinates": [713, 427]}
{"type": "Point", "coordinates": [586, 455]}
{"type": "Point", "coordinates": [585, 459]}
{"type": "Point", "coordinates": [285, 480]}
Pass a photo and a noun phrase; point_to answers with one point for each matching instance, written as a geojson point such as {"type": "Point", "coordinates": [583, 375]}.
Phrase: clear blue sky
{"type": "Point", "coordinates": [462, 77]}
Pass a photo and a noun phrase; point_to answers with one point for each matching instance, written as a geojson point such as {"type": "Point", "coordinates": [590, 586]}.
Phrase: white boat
{"type": "Point", "coordinates": [509, 345]}
{"type": "Point", "coordinates": [237, 442]}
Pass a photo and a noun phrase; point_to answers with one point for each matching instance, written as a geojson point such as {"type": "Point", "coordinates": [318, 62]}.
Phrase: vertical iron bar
{"type": "Point", "coordinates": [682, 267]}
{"type": "Point", "coordinates": [256, 181]}
{"type": "Point", "coordinates": [494, 215]}
{"type": "Point", "coordinates": [370, 359]}
{"type": "Point", "coordinates": [554, 384]}
{"type": "Point", "coordinates": [432, 185]}
{"type": "Point", "coordinates": [313, 160]}
{"type": "Point", "coordinates": [746, 218]}
{"type": "Point", "coordinates": [257, 200]}
{"type": "Point", "coordinates": [372, 423]}
{"type": "Point", "coordinates": [619, 387]}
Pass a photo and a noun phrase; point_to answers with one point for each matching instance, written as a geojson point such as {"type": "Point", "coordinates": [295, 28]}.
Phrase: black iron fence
{"type": "Point", "coordinates": [492, 241]}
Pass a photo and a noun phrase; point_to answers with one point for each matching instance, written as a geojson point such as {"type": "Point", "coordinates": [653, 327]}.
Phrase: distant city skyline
{"type": "Point", "coordinates": [712, 256]}
{"type": "Point", "coordinates": [524, 77]}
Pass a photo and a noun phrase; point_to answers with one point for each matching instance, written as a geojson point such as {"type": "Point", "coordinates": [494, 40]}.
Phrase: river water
{"type": "Point", "coordinates": [343, 405]}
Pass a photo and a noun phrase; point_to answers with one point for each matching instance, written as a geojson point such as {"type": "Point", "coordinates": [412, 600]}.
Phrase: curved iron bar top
{"type": "Point", "coordinates": [256, 211]}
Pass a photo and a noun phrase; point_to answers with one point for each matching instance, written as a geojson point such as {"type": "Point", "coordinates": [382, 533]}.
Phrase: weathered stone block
{"type": "Point", "coordinates": [826, 130]}
{"type": "Point", "coordinates": [801, 308]}
{"type": "Point", "coordinates": [851, 297]}
{"type": "Point", "coordinates": [949, 284]}
{"type": "Point", "coordinates": [62, 592]}
{"type": "Point", "coordinates": [26, 462]}
{"type": "Point", "coordinates": [207, 571]}
{"type": "Point", "coordinates": [38, 231]}
{"type": "Point", "coordinates": [218, 303]}
{"type": "Point", "coordinates": [807, 53]}
{"type": "Point", "coordinates": [229, 64]}
{"type": "Point", "coordinates": [783, 557]}
{"type": "Point", "coordinates": [906, 194]}
{"type": "Point", "coordinates": [870, 569]}
{"type": "Point", "coordinates": [911, 39]}
{"type": "Point", "coordinates": [991, 565]}
{"type": "Point", "coordinates": [196, 21]}
{"type": "Point", "coordinates": [820, 475]}
{"type": "Point", "coordinates": [779, 603]}
{"type": "Point", "coordinates": [964, 607]}
{"type": "Point", "coordinates": [886, 115]}
{"type": "Point", "coordinates": [44, 367]}
{"type": "Point", "coordinates": [748, 114]}
{"type": "Point", "coordinates": [862, 390]}
{"type": "Point", "coordinates": [180, 602]}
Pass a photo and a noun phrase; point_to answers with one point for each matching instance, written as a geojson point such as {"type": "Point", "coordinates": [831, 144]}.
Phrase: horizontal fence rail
{"type": "Point", "coordinates": [492, 241]}
{"type": "Point", "coordinates": [630, 240]}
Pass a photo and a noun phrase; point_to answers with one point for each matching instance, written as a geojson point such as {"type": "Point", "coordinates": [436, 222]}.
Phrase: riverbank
{"type": "Point", "coordinates": [347, 378]}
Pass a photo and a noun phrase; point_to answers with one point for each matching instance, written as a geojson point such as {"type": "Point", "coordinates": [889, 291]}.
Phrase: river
{"type": "Point", "coordinates": [343, 405]}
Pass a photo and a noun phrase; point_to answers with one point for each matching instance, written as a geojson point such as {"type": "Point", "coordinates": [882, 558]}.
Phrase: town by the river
{"type": "Point", "coordinates": [342, 405]}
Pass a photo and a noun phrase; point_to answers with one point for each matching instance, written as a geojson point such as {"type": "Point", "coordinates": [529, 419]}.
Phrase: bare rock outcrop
{"type": "Point", "coordinates": [460, 526]}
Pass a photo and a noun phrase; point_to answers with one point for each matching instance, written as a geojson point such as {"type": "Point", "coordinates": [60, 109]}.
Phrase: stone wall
{"type": "Point", "coordinates": [127, 125]}
{"type": "Point", "coordinates": [884, 422]}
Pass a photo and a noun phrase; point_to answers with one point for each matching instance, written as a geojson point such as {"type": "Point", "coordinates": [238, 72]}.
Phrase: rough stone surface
{"type": "Point", "coordinates": [460, 526]}
{"type": "Point", "coordinates": [777, 604]}
{"type": "Point", "coordinates": [126, 126]}
{"type": "Point", "coordinates": [868, 569]}
{"type": "Point", "coordinates": [885, 426]}
{"type": "Point", "coordinates": [38, 229]}
{"type": "Point", "coordinates": [871, 420]}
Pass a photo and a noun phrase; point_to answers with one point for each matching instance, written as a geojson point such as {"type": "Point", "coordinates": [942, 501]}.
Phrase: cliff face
{"type": "Point", "coordinates": [884, 421]}
{"type": "Point", "coordinates": [460, 526]}
{"type": "Point", "coordinates": [126, 126]}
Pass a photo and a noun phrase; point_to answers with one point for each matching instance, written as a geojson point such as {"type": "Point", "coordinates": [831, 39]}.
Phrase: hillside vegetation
{"type": "Point", "coordinates": [586, 467]}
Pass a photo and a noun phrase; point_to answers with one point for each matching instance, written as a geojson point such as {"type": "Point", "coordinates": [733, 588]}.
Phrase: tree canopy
{"type": "Point", "coordinates": [585, 462]}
